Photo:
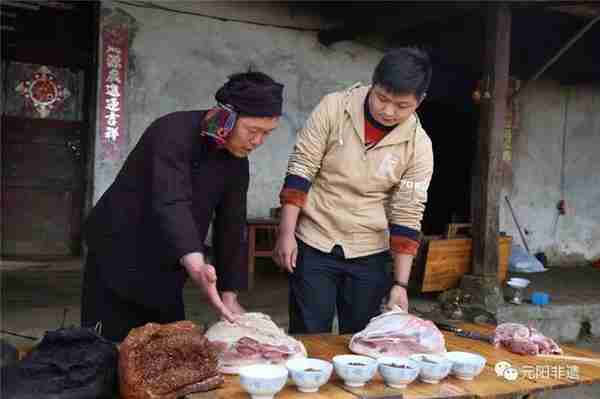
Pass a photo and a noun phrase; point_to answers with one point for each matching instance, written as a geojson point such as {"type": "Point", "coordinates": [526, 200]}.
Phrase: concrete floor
{"type": "Point", "coordinates": [34, 298]}
{"type": "Point", "coordinates": [574, 308]}
{"type": "Point", "coordinates": [36, 295]}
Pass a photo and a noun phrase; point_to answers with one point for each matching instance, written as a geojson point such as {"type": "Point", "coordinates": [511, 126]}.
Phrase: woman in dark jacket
{"type": "Point", "coordinates": [146, 234]}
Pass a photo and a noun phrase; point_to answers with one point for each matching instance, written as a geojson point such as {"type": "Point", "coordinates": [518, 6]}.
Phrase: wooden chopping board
{"type": "Point", "coordinates": [486, 385]}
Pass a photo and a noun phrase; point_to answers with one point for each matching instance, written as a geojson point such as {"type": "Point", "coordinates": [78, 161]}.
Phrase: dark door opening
{"type": "Point", "coordinates": [48, 80]}
{"type": "Point", "coordinates": [452, 127]}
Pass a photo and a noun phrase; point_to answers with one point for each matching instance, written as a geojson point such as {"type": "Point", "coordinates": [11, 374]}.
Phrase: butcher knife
{"type": "Point", "coordinates": [459, 332]}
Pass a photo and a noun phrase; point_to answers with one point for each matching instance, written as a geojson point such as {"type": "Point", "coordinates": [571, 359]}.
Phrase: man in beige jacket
{"type": "Point", "coordinates": [356, 188]}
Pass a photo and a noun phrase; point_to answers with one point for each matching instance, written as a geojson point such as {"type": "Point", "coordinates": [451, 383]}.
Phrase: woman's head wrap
{"type": "Point", "coordinates": [252, 94]}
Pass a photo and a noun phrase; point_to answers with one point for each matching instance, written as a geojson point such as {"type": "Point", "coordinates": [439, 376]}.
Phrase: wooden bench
{"type": "Point", "coordinates": [256, 226]}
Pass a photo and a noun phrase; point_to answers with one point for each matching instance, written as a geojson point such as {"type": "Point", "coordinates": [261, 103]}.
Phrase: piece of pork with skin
{"type": "Point", "coordinates": [253, 338]}
{"type": "Point", "coordinates": [524, 340]}
{"type": "Point", "coordinates": [398, 333]}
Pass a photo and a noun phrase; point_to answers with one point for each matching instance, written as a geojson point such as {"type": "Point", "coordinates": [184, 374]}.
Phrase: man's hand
{"type": "Point", "coordinates": [402, 266]}
{"type": "Point", "coordinates": [397, 297]}
{"type": "Point", "coordinates": [205, 277]}
{"type": "Point", "coordinates": [231, 302]}
{"type": "Point", "coordinates": [286, 251]}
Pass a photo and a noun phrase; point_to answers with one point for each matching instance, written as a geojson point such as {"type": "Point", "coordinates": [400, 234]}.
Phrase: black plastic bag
{"type": "Point", "coordinates": [69, 363]}
{"type": "Point", "coordinates": [8, 353]}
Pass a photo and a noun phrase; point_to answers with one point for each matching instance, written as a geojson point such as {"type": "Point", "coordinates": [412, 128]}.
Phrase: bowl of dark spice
{"type": "Point", "coordinates": [309, 374]}
{"type": "Point", "coordinates": [398, 372]}
{"type": "Point", "coordinates": [434, 367]}
{"type": "Point", "coordinates": [355, 370]}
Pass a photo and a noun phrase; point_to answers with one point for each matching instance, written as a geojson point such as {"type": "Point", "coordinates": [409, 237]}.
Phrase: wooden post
{"type": "Point", "coordinates": [486, 180]}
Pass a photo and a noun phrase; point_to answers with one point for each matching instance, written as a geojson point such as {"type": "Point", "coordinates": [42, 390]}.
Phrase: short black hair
{"type": "Point", "coordinates": [405, 70]}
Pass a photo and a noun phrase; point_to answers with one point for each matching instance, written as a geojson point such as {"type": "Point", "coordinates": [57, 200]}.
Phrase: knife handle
{"type": "Point", "coordinates": [474, 335]}
{"type": "Point", "coordinates": [447, 327]}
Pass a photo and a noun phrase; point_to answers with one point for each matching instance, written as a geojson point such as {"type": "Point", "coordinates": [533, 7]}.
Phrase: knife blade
{"type": "Point", "coordinates": [475, 335]}
{"type": "Point", "coordinates": [463, 333]}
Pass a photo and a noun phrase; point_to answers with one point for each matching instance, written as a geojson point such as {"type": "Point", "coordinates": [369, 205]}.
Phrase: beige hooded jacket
{"type": "Point", "coordinates": [357, 194]}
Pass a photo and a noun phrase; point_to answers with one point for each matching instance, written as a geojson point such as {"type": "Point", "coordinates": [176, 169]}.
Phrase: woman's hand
{"type": "Point", "coordinates": [231, 302]}
{"type": "Point", "coordinates": [204, 276]}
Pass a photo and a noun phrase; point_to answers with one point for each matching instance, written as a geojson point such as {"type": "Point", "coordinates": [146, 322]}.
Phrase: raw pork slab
{"type": "Point", "coordinates": [398, 333]}
{"type": "Point", "coordinates": [253, 338]}
{"type": "Point", "coordinates": [524, 340]}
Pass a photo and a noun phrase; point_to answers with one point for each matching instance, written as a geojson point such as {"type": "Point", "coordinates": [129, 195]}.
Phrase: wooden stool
{"type": "Point", "coordinates": [269, 226]}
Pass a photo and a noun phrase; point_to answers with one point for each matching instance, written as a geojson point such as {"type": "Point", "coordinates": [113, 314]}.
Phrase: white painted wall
{"type": "Point", "coordinates": [551, 113]}
{"type": "Point", "coordinates": [179, 61]}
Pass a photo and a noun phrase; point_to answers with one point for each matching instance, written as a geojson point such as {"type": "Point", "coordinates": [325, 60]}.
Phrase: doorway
{"type": "Point", "coordinates": [452, 127]}
{"type": "Point", "coordinates": [48, 86]}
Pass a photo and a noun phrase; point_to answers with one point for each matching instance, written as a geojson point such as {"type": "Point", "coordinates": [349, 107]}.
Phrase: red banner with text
{"type": "Point", "coordinates": [113, 73]}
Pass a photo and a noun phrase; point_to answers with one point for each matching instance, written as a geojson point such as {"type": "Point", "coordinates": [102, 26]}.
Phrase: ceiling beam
{"type": "Point", "coordinates": [559, 53]}
{"type": "Point", "coordinates": [579, 10]}
{"type": "Point", "coordinates": [19, 4]}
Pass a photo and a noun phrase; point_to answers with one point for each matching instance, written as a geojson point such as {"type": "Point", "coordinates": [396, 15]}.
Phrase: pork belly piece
{"type": "Point", "coordinates": [524, 340]}
{"type": "Point", "coordinates": [254, 338]}
{"type": "Point", "coordinates": [398, 333]}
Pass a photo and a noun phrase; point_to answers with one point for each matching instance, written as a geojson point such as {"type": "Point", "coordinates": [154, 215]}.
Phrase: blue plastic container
{"type": "Point", "coordinates": [540, 298]}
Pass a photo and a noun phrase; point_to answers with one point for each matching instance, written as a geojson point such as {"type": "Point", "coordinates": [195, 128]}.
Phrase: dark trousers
{"type": "Point", "coordinates": [118, 314]}
{"type": "Point", "coordinates": [323, 282]}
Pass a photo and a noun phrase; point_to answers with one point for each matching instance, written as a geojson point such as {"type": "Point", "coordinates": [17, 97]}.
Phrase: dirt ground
{"type": "Point", "coordinates": [38, 296]}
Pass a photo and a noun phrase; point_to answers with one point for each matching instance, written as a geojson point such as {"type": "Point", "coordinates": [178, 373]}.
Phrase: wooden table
{"type": "Point", "coordinates": [268, 224]}
{"type": "Point", "coordinates": [486, 385]}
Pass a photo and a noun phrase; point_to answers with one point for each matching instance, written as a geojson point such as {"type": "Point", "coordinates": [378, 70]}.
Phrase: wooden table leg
{"type": "Point", "coordinates": [251, 255]}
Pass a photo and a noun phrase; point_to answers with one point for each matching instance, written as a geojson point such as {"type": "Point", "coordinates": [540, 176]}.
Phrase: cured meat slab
{"type": "Point", "coordinates": [166, 362]}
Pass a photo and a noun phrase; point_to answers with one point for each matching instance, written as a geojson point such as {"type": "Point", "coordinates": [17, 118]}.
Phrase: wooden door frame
{"type": "Point", "coordinates": [91, 104]}
{"type": "Point", "coordinates": [89, 112]}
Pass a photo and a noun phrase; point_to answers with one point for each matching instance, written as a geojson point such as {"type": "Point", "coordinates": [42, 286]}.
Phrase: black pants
{"type": "Point", "coordinates": [117, 313]}
{"type": "Point", "coordinates": [323, 281]}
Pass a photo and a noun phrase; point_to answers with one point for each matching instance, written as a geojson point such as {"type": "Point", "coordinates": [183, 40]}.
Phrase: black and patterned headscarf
{"type": "Point", "coordinates": [244, 94]}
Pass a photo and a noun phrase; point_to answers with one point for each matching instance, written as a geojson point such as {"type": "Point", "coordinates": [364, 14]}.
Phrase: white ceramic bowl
{"type": "Point", "coordinates": [309, 374]}
{"type": "Point", "coordinates": [433, 367]}
{"type": "Point", "coordinates": [518, 282]}
{"type": "Point", "coordinates": [263, 381]}
{"type": "Point", "coordinates": [398, 372]}
{"type": "Point", "coordinates": [466, 365]}
{"type": "Point", "coordinates": [355, 370]}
